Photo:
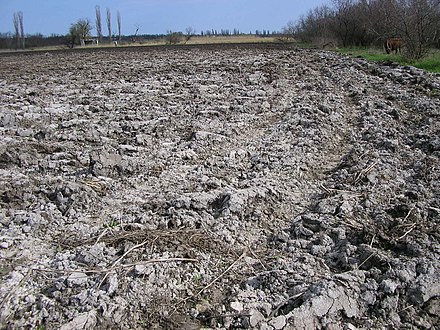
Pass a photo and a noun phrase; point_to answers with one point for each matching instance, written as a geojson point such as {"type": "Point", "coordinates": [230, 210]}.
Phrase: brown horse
{"type": "Point", "coordinates": [393, 45]}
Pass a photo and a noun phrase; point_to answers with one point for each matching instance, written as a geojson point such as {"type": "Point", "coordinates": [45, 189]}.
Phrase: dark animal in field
{"type": "Point", "coordinates": [393, 45]}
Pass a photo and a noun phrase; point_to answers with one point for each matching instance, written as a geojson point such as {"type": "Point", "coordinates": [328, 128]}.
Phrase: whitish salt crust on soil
{"type": "Point", "coordinates": [225, 187]}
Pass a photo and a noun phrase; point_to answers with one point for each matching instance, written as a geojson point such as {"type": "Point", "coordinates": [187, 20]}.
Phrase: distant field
{"type": "Point", "coordinates": [197, 40]}
{"type": "Point", "coordinates": [231, 39]}
{"type": "Point", "coordinates": [430, 63]}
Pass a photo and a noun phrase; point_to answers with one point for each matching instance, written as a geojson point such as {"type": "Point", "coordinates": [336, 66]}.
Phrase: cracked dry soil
{"type": "Point", "coordinates": [253, 187]}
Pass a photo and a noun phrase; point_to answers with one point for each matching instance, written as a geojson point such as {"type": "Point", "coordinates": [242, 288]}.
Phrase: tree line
{"type": "Point", "coordinates": [350, 23]}
{"type": "Point", "coordinates": [80, 32]}
{"type": "Point", "coordinates": [19, 29]}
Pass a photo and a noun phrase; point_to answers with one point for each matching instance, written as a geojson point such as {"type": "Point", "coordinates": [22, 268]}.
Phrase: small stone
{"type": "Point", "coordinates": [333, 326]}
{"type": "Point", "coordinates": [4, 245]}
{"type": "Point", "coordinates": [265, 326]}
{"type": "Point", "coordinates": [389, 286]}
{"type": "Point", "coordinates": [77, 279]}
{"type": "Point", "coordinates": [278, 322]}
{"type": "Point", "coordinates": [237, 306]}
{"type": "Point", "coordinates": [405, 275]}
{"type": "Point", "coordinates": [113, 284]}
{"type": "Point", "coordinates": [326, 207]}
{"type": "Point", "coordinates": [369, 297]}
{"type": "Point", "coordinates": [139, 269]}
{"type": "Point", "coordinates": [265, 105]}
{"type": "Point", "coordinates": [282, 236]}
{"type": "Point", "coordinates": [426, 288]}
{"type": "Point", "coordinates": [15, 278]}
{"type": "Point", "coordinates": [350, 326]}
{"type": "Point", "coordinates": [255, 317]}
{"type": "Point", "coordinates": [346, 207]}
{"type": "Point", "coordinates": [7, 120]}
{"type": "Point", "coordinates": [372, 178]}
{"type": "Point", "coordinates": [265, 308]}
{"type": "Point", "coordinates": [82, 321]}
{"type": "Point", "coordinates": [30, 299]}
{"type": "Point", "coordinates": [25, 132]}
{"type": "Point", "coordinates": [433, 306]}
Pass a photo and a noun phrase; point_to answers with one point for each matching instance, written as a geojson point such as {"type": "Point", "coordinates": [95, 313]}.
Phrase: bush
{"type": "Point", "coordinates": [173, 38]}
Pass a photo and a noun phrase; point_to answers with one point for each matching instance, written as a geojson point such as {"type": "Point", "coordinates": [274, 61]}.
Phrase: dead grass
{"type": "Point", "coordinates": [230, 40]}
{"type": "Point", "coordinates": [197, 40]}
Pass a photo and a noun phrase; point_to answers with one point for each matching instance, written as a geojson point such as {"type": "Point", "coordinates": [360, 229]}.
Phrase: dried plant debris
{"type": "Point", "coordinates": [218, 187]}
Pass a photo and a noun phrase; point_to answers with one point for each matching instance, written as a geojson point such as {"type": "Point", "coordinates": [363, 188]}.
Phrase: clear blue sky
{"type": "Point", "coordinates": [156, 16]}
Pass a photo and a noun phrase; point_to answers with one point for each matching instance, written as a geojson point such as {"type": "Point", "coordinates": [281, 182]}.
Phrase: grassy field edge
{"type": "Point", "coordinates": [431, 62]}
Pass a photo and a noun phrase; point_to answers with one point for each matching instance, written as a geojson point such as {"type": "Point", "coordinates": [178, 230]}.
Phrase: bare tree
{"type": "Point", "coordinates": [98, 23]}
{"type": "Point", "coordinates": [189, 33]}
{"type": "Point", "coordinates": [436, 33]}
{"type": "Point", "coordinates": [84, 27]}
{"type": "Point", "coordinates": [350, 24]}
{"type": "Point", "coordinates": [418, 26]}
{"type": "Point", "coordinates": [79, 31]}
{"type": "Point", "coordinates": [17, 29]}
{"type": "Point", "coordinates": [135, 34]}
{"type": "Point", "coordinates": [72, 36]}
{"type": "Point", "coordinates": [377, 20]}
{"type": "Point", "coordinates": [20, 18]}
{"type": "Point", "coordinates": [412, 20]}
{"type": "Point", "coordinates": [174, 37]}
{"type": "Point", "coordinates": [316, 27]}
{"type": "Point", "coordinates": [119, 25]}
{"type": "Point", "coordinates": [290, 29]}
{"type": "Point", "coordinates": [109, 25]}
{"type": "Point", "coordinates": [366, 22]}
{"type": "Point", "coordinates": [415, 21]}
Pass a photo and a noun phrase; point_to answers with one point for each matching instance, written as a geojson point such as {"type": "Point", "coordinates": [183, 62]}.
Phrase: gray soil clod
{"type": "Point", "coordinates": [253, 187]}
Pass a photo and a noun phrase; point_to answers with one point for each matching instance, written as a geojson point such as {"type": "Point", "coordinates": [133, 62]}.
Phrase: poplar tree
{"type": "Point", "coordinates": [119, 25]}
{"type": "Point", "coordinates": [109, 25]}
{"type": "Point", "coordinates": [98, 23]}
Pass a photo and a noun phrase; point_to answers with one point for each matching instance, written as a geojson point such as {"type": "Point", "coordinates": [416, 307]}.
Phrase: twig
{"type": "Point", "coordinates": [404, 309]}
{"type": "Point", "coordinates": [409, 213]}
{"type": "Point", "coordinates": [408, 231]}
{"type": "Point", "coordinates": [101, 236]}
{"type": "Point", "coordinates": [366, 259]}
{"type": "Point", "coordinates": [329, 190]}
{"type": "Point", "coordinates": [259, 260]}
{"type": "Point", "coordinates": [152, 244]}
{"type": "Point", "coordinates": [351, 223]}
{"type": "Point", "coordinates": [119, 260]}
{"type": "Point", "coordinates": [372, 240]}
{"type": "Point", "coordinates": [278, 307]}
{"type": "Point", "coordinates": [364, 172]}
{"type": "Point", "coordinates": [324, 264]}
{"type": "Point", "coordinates": [222, 274]}
{"type": "Point", "coordinates": [137, 234]}
{"type": "Point", "coordinates": [95, 185]}
{"type": "Point", "coordinates": [105, 270]}
{"type": "Point", "coordinates": [213, 281]}
{"type": "Point", "coordinates": [129, 250]}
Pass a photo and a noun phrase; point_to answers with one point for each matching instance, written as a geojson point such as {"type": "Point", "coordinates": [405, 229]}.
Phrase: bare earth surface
{"type": "Point", "coordinates": [250, 187]}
